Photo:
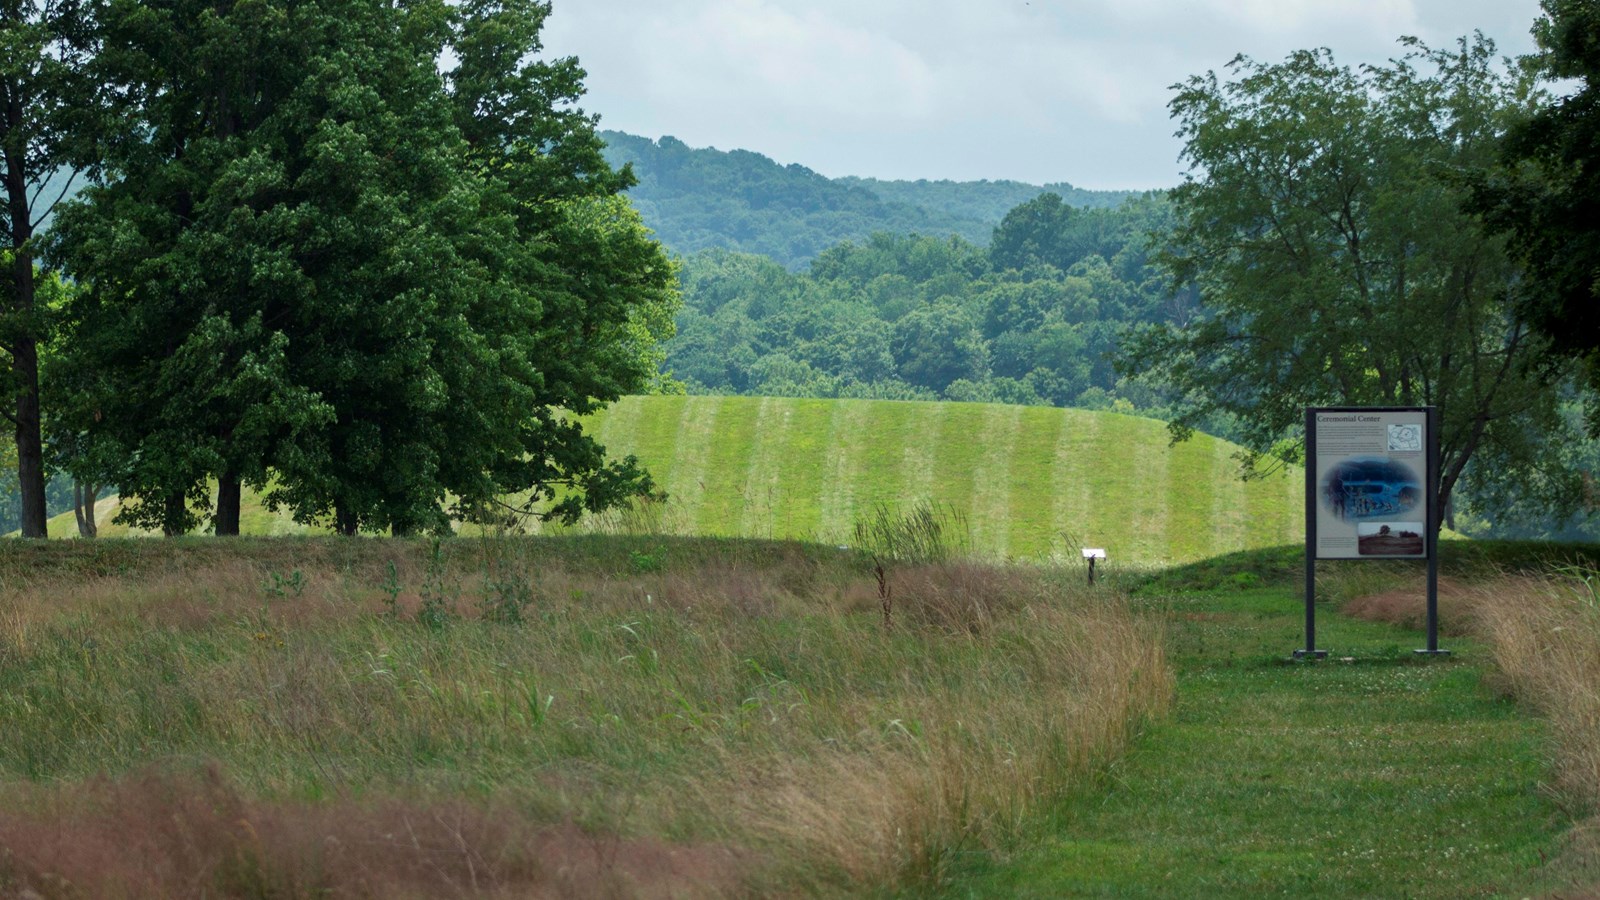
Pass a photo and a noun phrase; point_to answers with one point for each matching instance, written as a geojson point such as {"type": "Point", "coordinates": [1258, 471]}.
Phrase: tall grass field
{"type": "Point", "coordinates": [1031, 483]}
{"type": "Point", "coordinates": [310, 717]}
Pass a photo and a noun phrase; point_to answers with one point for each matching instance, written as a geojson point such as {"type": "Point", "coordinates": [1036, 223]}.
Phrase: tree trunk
{"type": "Point", "coordinates": [25, 375]}
{"type": "Point", "coordinates": [229, 491]}
{"type": "Point", "coordinates": [174, 514]}
{"type": "Point", "coordinates": [83, 500]}
{"type": "Point", "coordinates": [345, 521]}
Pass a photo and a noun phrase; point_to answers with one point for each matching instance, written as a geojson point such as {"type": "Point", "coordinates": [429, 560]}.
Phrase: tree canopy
{"type": "Point", "coordinates": [1546, 195]}
{"type": "Point", "coordinates": [321, 267]}
{"type": "Point", "coordinates": [1323, 225]}
{"type": "Point", "coordinates": [702, 198]}
{"type": "Point", "coordinates": [1031, 319]}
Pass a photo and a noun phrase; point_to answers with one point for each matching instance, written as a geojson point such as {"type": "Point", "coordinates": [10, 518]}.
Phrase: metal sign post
{"type": "Point", "coordinates": [1091, 554]}
{"type": "Point", "coordinates": [1372, 487]}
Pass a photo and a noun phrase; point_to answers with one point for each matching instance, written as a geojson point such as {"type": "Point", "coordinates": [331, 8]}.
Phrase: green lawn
{"type": "Point", "coordinates": [1032, 483]}
{"type": "Point", "coordinates": [1374, 773]}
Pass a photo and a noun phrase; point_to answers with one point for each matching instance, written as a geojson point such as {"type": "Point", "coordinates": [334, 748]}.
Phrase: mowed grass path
{"type": "Point", "coordinates": [1029, 480]}
{"type": "Point", "coordinates": [1374, 773]}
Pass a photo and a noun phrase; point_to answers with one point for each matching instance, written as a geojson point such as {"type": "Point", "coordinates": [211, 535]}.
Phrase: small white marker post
{"type": "Point", "coordinates": [1092, 554]}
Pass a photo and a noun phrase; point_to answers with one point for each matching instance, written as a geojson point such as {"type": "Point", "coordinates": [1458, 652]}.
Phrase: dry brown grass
{"type": "Point", "coordinates": [664, 721]}
{"type": "Point", "coordinates": [1545, 636]}
{"type": "Point", "coordinates": [155, 834]}
{"type": "Point", "coordinates": [1408, 606]}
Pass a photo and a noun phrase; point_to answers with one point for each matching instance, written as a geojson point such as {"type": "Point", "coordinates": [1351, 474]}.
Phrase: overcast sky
{"type": "Point", "coordinates": [1033, 90]}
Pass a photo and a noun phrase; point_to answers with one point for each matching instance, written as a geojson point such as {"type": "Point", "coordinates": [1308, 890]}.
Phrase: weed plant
{"type": "Point", "coordinates": [929, 532]}
{"type": "Point", "coordinates": [616, 716]}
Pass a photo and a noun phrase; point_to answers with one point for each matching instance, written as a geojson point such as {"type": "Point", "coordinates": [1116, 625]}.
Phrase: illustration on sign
{"type": "Point", "coordinates": [1405, 437]}
{"type": "Point", "coordinates": [1390, 539]}
{"type": "Point", "coordinates": [1371, 485]}
{"type": "Point", "coordinates": [1366, 487]}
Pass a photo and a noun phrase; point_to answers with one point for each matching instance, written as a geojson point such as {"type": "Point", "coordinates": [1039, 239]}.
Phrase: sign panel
{"type": "Point", "coordinates": [1370, 483]}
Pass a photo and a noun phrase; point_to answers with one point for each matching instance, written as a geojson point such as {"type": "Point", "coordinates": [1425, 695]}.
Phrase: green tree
{"type": "Point", "coordinates": [47, 129]}
{"type": "Point", "coordinates": [937, 344]}
{"type": "Point", "coordinates": [582, 298]}
{"type": "Point", "coordinates": [1323, 227]}
{"type": "Point", "coordinates": [1546, 196]}
{"type": "Point", "coordinates": [343, 276]}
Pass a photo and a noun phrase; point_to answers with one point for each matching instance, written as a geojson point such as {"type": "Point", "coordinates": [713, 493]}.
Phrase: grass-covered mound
{"type": "Point", "coordinates": [1030, 482]}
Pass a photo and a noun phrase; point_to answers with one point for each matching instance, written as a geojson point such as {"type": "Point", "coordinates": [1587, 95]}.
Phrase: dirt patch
{"type": "Point", "coordinates": [1408, 607]}
{"type": "Point", "coordinates": [160, 835]}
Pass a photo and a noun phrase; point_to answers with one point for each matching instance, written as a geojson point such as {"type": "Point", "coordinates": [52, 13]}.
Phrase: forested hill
{"type": "Point", "coordinates": [985, 201]}
{"type": "Point", "coordinates": [696, 199]}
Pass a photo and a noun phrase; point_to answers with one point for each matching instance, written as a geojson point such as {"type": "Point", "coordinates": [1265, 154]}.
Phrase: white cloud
{"type": "Point", "coordinates": [1040, 90]}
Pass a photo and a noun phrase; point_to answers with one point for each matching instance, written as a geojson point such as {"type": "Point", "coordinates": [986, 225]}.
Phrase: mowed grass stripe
{"type": "Point", "coordinates": [1276, 504]}
{"type": "Point", "coordinates": [846, 424]}
{"type": "Point", "coordinates": [1140, 460]}
{"type": "Point", "coordinates": [727, 462]}
{"type": "Point", "coordinates": [955, 458]}
{"type": "Point", "coordinates": [1073, 471]}
{"type": "Point", "coordinates": [801, 469]}
{"type": "Point", "coordinates": [695, 435]}
{"type": "Point", "coordinates": [991, 477]}
{"type": "Point", "coordinates": [919, 439]}
{"type": "Point", "coordinates": [758, 517]}
{"type": "Point", "coordinates": [1033, 533]}
{"type": "Point", "coordinates": [1229, 505]}
{"type": "Point", "coordinates": [618, 426]}
{"type": "Point", "coordinates": [883, 431]}
{"type": "Point", "coordinates": [1191, 485]}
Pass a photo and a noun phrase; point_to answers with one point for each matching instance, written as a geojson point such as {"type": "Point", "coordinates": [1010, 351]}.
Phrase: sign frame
{"type": "Point", "coordinates": [1366, 457]}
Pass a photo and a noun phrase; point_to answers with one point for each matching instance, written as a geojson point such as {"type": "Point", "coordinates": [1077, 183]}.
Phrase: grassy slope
{"type": "Point", "coordinates": [1033, 482]}
{"type": "Point", "coordinates": [1028, 479]}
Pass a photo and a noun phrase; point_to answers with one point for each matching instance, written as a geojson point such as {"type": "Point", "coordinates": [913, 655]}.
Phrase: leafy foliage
{"type": "Point", "coordinates": [49, 120]}
{"type": "Point", "coordinates": [320, 264]}
{"type": "Point", "coordinates": [1546, 195]}
{"type": "Point", "coordinates": [1029, 320]}
{"type": "Point", "coordinates": [1323, 227]}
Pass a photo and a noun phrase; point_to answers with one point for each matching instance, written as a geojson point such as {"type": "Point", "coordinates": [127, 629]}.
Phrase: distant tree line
{"type": "Point", "coordinates": [1033, 316]}
{"type": "Point", "coordinates": [702, 198]}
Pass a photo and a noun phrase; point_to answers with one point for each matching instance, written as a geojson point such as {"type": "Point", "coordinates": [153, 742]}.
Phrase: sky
{"type": "Point", "coordinates": [1039, 91]}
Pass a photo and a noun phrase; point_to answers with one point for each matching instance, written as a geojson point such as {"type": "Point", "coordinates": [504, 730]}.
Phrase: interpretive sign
{"type": "Point", "coordinates": [1370, 482]}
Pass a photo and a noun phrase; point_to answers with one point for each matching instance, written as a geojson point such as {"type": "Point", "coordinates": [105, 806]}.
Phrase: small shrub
{"type": "Point", "coordinates": [506, 598]}
{"type": "Point", "coordinates": [279, 585]}
{"type": "Point", "coordinates": [928, 533]}
{"type": "Point", "coordinates": [391, 588]}
{"type": "Point", "coordinates": [644, 563]}
{"type": "Point", "coordinates": [438, 596]}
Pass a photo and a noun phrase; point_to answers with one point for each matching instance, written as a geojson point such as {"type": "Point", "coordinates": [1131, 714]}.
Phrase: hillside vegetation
{"type": "Point", "coordinates": [1030, 482]}
{"type": "Point", "coordinates": [699, 198]}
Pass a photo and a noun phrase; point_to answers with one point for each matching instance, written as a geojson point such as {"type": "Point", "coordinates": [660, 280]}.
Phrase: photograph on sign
{"type": "Point", "coordinates": [1371, 483]}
